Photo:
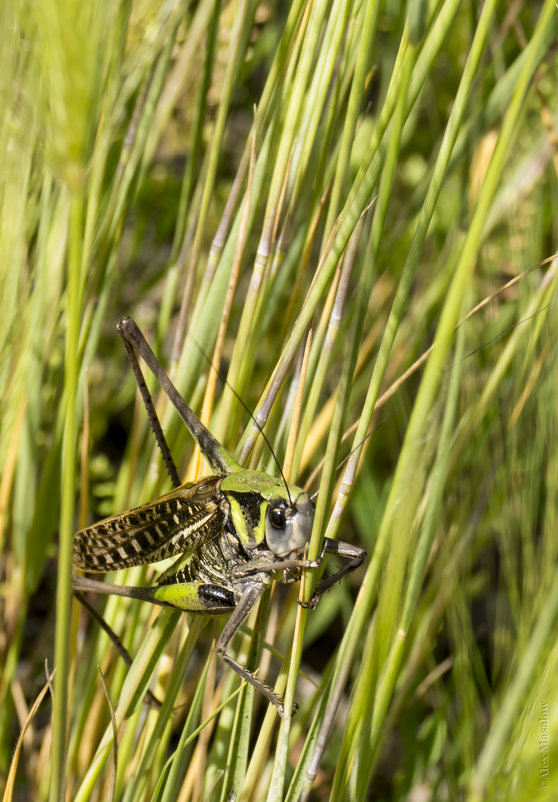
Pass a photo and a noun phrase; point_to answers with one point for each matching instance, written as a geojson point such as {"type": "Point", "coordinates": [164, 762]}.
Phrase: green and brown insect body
{"type": "Point", "coordinates": [234, 532]}
{"type": "Point", "coordinates": [223, 530]}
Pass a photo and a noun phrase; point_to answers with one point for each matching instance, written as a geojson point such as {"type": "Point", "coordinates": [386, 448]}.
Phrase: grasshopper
{"type": "Point", "coordinates": [233, 532]}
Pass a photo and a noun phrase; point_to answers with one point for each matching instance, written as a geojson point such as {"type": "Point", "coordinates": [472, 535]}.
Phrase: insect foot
{"type": "Point", "coordinates": [260, 686]}
{"type": "Point", "coordinates": [311, 604]}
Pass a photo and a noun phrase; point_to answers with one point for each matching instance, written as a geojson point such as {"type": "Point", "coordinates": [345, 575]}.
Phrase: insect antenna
{"type": "Point", "coordinates": [247, 409]}
{"type": "Point", "coordinates": [412, 369]}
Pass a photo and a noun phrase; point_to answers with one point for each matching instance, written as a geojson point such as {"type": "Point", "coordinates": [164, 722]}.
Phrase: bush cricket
{"type": "Point", "coordinates": [233, 533]}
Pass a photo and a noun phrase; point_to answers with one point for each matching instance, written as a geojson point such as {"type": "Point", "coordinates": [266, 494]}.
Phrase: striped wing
{"type": "Point", "coordinates": [167, 526]}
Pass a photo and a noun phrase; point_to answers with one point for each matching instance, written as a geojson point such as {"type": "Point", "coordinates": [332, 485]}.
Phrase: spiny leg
{"type": "Point", "coordinates": [247, 601]}
{"type": "Point", "coordinates": [355, 556]}
{"type": "Point", "coordinates": [175, 478]}
{"type": "Point", "coordinates": [134, 341]}
{"type": "Point", "coordinates": [81, 582]}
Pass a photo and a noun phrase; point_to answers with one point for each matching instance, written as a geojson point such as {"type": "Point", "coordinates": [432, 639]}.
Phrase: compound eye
{"type": "Point", "coordinates": [277, 518]}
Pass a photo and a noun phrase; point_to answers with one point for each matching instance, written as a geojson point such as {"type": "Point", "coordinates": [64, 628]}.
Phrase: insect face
{"type": "Point", "coordinates": [288, 526]}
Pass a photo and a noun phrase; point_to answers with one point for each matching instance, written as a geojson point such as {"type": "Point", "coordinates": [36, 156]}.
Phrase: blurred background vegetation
{"type": "Point", "coordinates": [315, 195]}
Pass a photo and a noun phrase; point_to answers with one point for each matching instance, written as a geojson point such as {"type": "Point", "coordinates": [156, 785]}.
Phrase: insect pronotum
{"type": "Point", "coordinates": [233, 533]}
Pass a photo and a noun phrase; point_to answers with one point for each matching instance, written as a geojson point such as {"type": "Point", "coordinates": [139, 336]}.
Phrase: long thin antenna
{"type": "Point", "coordinates": [417, 364]}
{"type": "Point", "coordinates": [245, 406]}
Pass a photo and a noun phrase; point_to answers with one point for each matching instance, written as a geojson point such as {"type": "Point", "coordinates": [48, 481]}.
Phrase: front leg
{"type": "Point", "coordinates": [352, 553]}
{"type": "Point", "coordinates": [266, 565]}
